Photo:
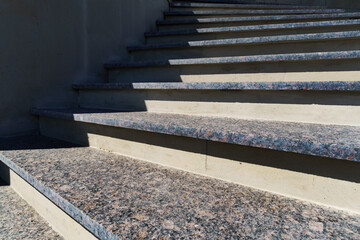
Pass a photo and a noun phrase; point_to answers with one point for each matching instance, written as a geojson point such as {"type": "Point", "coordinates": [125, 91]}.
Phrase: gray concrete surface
{"type": "Point", "coordinates": [48, 45]}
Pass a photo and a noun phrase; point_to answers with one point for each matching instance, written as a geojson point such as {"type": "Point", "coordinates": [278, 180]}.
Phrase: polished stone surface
{"type": "Point", "coordinates": [258, 18]}
{"type": "Point", "coordinates": [135, 199]}
{"type": "Point", "coordinates": [242, 5]}
{"type": "Point", "coordinates": [333, 141]}
{"type": "Point", "coordinates": [19, 221]}
{"type": "Point", "coordinates": [288, 86]}
{"type": "Point", "coordinates": [239, 59]}
{"type": "Point", "coordinates": [250, 11]}
{"type": "Point", "coordinates": [253, 41]}
{"type": "Point", "coordinates": [284, 26]}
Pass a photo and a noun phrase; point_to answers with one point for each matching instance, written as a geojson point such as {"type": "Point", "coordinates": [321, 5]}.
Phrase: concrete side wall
{"type": "Point", "coordinates": [48, 45]}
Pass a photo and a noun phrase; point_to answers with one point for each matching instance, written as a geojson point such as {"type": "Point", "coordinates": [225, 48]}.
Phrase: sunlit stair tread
{"type": "Point", "coordinates": [251, 40]}
{"type": "Point", "coordinates": [334, 141]}
{"type": "Point", "coordinates": [255, 27]}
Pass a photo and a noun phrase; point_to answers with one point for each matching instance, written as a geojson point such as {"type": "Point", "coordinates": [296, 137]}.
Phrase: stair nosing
{"type": "Point", "coordinates": [254, 28]}
{"type": "Point", "coordinates": [274, 86]}
{"type": "Point", "coordinates": [291, 57]}
{"type": "Point", "coordinates": [256, 18]}
{"type": "Point", "coordinates": [251, 40]}
{"type": "Point", "coordinates": [340, 151]}
{"type": "Point", "coordinates": [239, 12]}
{"type": "Point", "coordinates": [229, 5]}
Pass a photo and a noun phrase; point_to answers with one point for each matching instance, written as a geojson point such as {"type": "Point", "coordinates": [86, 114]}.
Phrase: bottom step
{"type": "Point", "coordinates": [18, 220]}
{"type": "Point", "coordinates": [117, 197]}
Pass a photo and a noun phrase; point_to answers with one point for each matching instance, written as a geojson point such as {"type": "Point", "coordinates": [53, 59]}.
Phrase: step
{"type": "Point", "coordinates": [165, 25]}
{"type": "Point", "coordinates": [131, 199]}
{"type": "Point", "coordinates": [339, 142]}
{"type": "Point", "coordinates": [233, 2]}
{"type": "Point", "coordinates": [322, 66]}
{"type": "Point", "coordinates": [177, 141]}
{"type": "Point", "coordinates": [283, 44]}
{"type": "Point", "coordinates": [251, 31]}
{"type": "Point", "coordinates": [188, 5]}
{"type": "Point", "coordinates": [233, 13]}
{"type": "Point", "coordinates": [18, 220]}
{"type": "Point", "coordinates": [323, 102]}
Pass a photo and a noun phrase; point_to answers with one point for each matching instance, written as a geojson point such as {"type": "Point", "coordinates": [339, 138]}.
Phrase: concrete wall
{"type": "Point", "coordinates": [49, 44]}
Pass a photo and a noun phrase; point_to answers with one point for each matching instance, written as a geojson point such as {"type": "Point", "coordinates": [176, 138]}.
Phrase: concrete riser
{"type": "Point", "coordinates": [227, 35]}
{"type": "Point", "coordinates": [231, 24]}
{"type": "Point", "coordinates": [325, 181]}
{"type": "Point", "coordinates": [333, 70]}
{"type": "Point", "coordinates": [323, 107]}
{"type": "Point", "coordinates": [249, 49]}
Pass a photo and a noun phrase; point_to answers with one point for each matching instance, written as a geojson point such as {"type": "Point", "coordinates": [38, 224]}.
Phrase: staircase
{"type": "Point", "coordinates": [261, 95]}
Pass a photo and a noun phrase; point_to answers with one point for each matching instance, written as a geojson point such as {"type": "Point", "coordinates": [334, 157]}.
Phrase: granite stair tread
{"type": "Point", "coordinates": [255, 27]}
{"type": "Point", "coordinates": [257, 18]}
{"type": "Point", "coordinates": [246, 11]}
{"type": "Point", "coordinates": [238, 59]}
{"type": "Point", "coordinates": [116, 197]}
{"type": "Point", "coordinates": [18, 220]}
{"type": "Point", "coordinates": [234, 5]}
{"type": "Point", "coordinates": [341, 142]}
{"type": "Point", "coordinates": [308, 86]}
{"type": "Point", "coordinates": [233, 2]}
{"type": "Point", "coordinates": [251, 40]}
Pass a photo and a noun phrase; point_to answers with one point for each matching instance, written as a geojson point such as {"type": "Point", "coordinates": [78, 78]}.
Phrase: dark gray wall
{"type": "Point", "coordinates": [46, 45]}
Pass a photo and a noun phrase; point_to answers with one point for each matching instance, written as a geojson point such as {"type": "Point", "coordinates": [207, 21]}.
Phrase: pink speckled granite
{"type": "Point", "coordinates": [136, 200]}
{"type": "Point", "coordinates": [334, 141]}
{"type": "Point", "coordinates": [20, 221]}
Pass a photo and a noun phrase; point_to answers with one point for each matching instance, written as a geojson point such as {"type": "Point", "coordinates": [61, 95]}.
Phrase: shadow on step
{"type": "Point", "coordinates": [4, 175]}
{"type": "Point", "coordinates": [194, 70]}
{"type": "Point", "coordinates": [33, 142]}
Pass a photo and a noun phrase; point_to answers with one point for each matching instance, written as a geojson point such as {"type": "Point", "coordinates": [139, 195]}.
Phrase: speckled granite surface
{"type": "Point", "coordinates": [251, 40]}
{"type": "Point", "coordinates": [333, 141]}
{"type": "Point", "coordinates": [308, 86]}
{"type": "Point", "coordinates": [250, 11]}
{"type": "Point", "coordinates": [239, 59]}
{"type": "Point", "coordinates": [19, 221]}
{"type": "Point", "coordinates": [258, 18]}
{"type": "Point", "coordinates": [250, 6]}
{"type": "Point", "coordinates": [255, 27]}
{"type": "Point", "coordinates": [138, 200]}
